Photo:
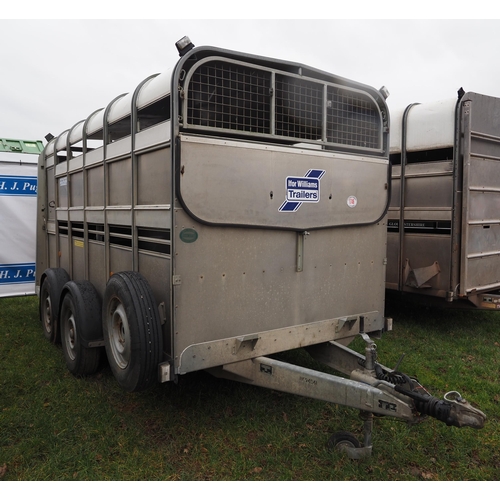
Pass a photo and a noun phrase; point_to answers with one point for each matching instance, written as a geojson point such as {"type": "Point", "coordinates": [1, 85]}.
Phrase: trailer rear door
{"type": "Point", "coordinates": [480, 257]}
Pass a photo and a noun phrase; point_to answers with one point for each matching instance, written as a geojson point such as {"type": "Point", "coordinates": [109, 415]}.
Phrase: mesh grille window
{"type": "Point", "coordinates": [239, 98]}
{"type": "Point", "coordinates": [352, 119]}
{"type": "Point", "coordinates": [299, 108]}
{"type": "Point", "coordinates": [230, 96]}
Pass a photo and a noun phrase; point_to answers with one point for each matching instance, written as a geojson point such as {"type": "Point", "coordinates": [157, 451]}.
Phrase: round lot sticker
{"type": "Point", "coordinates": [352, 201]}
{"type": "Point", "coordinates": [188, 235]}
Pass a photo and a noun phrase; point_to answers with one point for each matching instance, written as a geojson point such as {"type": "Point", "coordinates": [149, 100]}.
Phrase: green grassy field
{"type": "Point", "coordinates": [54, 426]}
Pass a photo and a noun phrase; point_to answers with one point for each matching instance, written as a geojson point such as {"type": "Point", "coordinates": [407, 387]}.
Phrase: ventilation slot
{"type": "Point", "coordinates": [77, 229]}
{"type": "Point", "coordinates": [154, 240]}
{"type": "Point", "coordinates": [95, 232]}
{"type": "Point", "coordinates": [427, 156]}
{"type": "Point", "coordinates": [120, 236]}
{"type": "Point", "coordinates": [154, 113]}
{"type": "Point", "coordinates": [62, 226]}
{"type": "Point", "coordinates": [119, 129]}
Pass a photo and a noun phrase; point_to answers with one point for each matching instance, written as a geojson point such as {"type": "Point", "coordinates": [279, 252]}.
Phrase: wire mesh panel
{"type": "Point", "coordinates": [230, 96]}
{"type": "Point", "coordinates": [299, 108]}
{"type": "Point", "coordinates": [237, 97]}
{"type": "Point", "coordinates": [352, 119]}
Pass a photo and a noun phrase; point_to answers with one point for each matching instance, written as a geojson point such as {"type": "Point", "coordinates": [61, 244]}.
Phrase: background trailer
{"type": "Point", "coordinates": [444, 244]}
{"type": "Point", "coordinates": [18, 188]}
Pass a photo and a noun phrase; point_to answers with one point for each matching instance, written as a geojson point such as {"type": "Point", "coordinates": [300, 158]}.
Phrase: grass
{"type": "Point", "coordinates": [54, 426]}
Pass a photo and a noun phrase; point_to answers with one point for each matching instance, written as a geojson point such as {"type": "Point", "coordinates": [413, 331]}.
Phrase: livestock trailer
{"type": "Point", "coordinates": [222, 212]}
{"type": "Point", "coordinates": [443, 244]}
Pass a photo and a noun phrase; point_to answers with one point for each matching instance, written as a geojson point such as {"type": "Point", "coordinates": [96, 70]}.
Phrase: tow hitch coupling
{"type": "Point", "coordinates": [452, 410]}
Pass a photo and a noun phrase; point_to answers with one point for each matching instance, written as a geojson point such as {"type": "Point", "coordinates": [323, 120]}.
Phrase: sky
{"type": "Point", "coordinates": [55, 72]}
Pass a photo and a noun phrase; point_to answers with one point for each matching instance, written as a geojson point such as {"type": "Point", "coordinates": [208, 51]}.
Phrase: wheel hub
{"type": "Point", "coordinates": [47, 314]}
{"type": "Point", "coordinates": [119, 335]}
{"type": "Point", "coordinates": [70, 336]}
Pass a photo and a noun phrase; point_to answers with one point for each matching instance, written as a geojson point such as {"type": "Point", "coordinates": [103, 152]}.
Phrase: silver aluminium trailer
{"type": "Point", "coordinates": [444, 244]}
{"type": "Point", "coordinates": [221, 213]}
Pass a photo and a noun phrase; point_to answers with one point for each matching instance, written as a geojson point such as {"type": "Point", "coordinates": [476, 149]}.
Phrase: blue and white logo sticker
{"type": "Point", "coordinates": [302, 190]}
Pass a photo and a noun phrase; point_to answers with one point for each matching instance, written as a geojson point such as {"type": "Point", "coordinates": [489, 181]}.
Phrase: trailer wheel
{"type": "Point", "coordinates": [343, 439]}
{"type": "Point", "coordinates": [50, 294]}
{"type": "Point", "coordinates": [132, 331]}
{"type": "Point", "coordinates": [79, 321]}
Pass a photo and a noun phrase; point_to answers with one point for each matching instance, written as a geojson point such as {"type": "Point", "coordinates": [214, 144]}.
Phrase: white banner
{"type": "Point", "coordinates": [18, 188]}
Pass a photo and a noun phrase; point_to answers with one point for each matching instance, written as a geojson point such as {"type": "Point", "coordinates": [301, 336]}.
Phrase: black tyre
{"type": "Point", "coordinates": [79, 323]}
{"type": "Point", "coordinates": [343, 439]}
{"type": "Point", "coordinates": [50, 293]}
{"type": "Point", "coordinates": [132, 331]}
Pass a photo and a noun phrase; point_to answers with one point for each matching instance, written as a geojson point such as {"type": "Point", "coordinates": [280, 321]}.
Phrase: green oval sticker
{"type": "Point", "coordinates": [188, 235]}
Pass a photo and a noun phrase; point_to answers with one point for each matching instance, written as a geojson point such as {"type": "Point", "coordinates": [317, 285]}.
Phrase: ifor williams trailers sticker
{"type": "Point", "coordinates": [302, 190]}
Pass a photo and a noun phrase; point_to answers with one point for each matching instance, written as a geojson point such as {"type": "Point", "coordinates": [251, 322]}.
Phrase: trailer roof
{"type": "Point", "coordinates": [429, 126]}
